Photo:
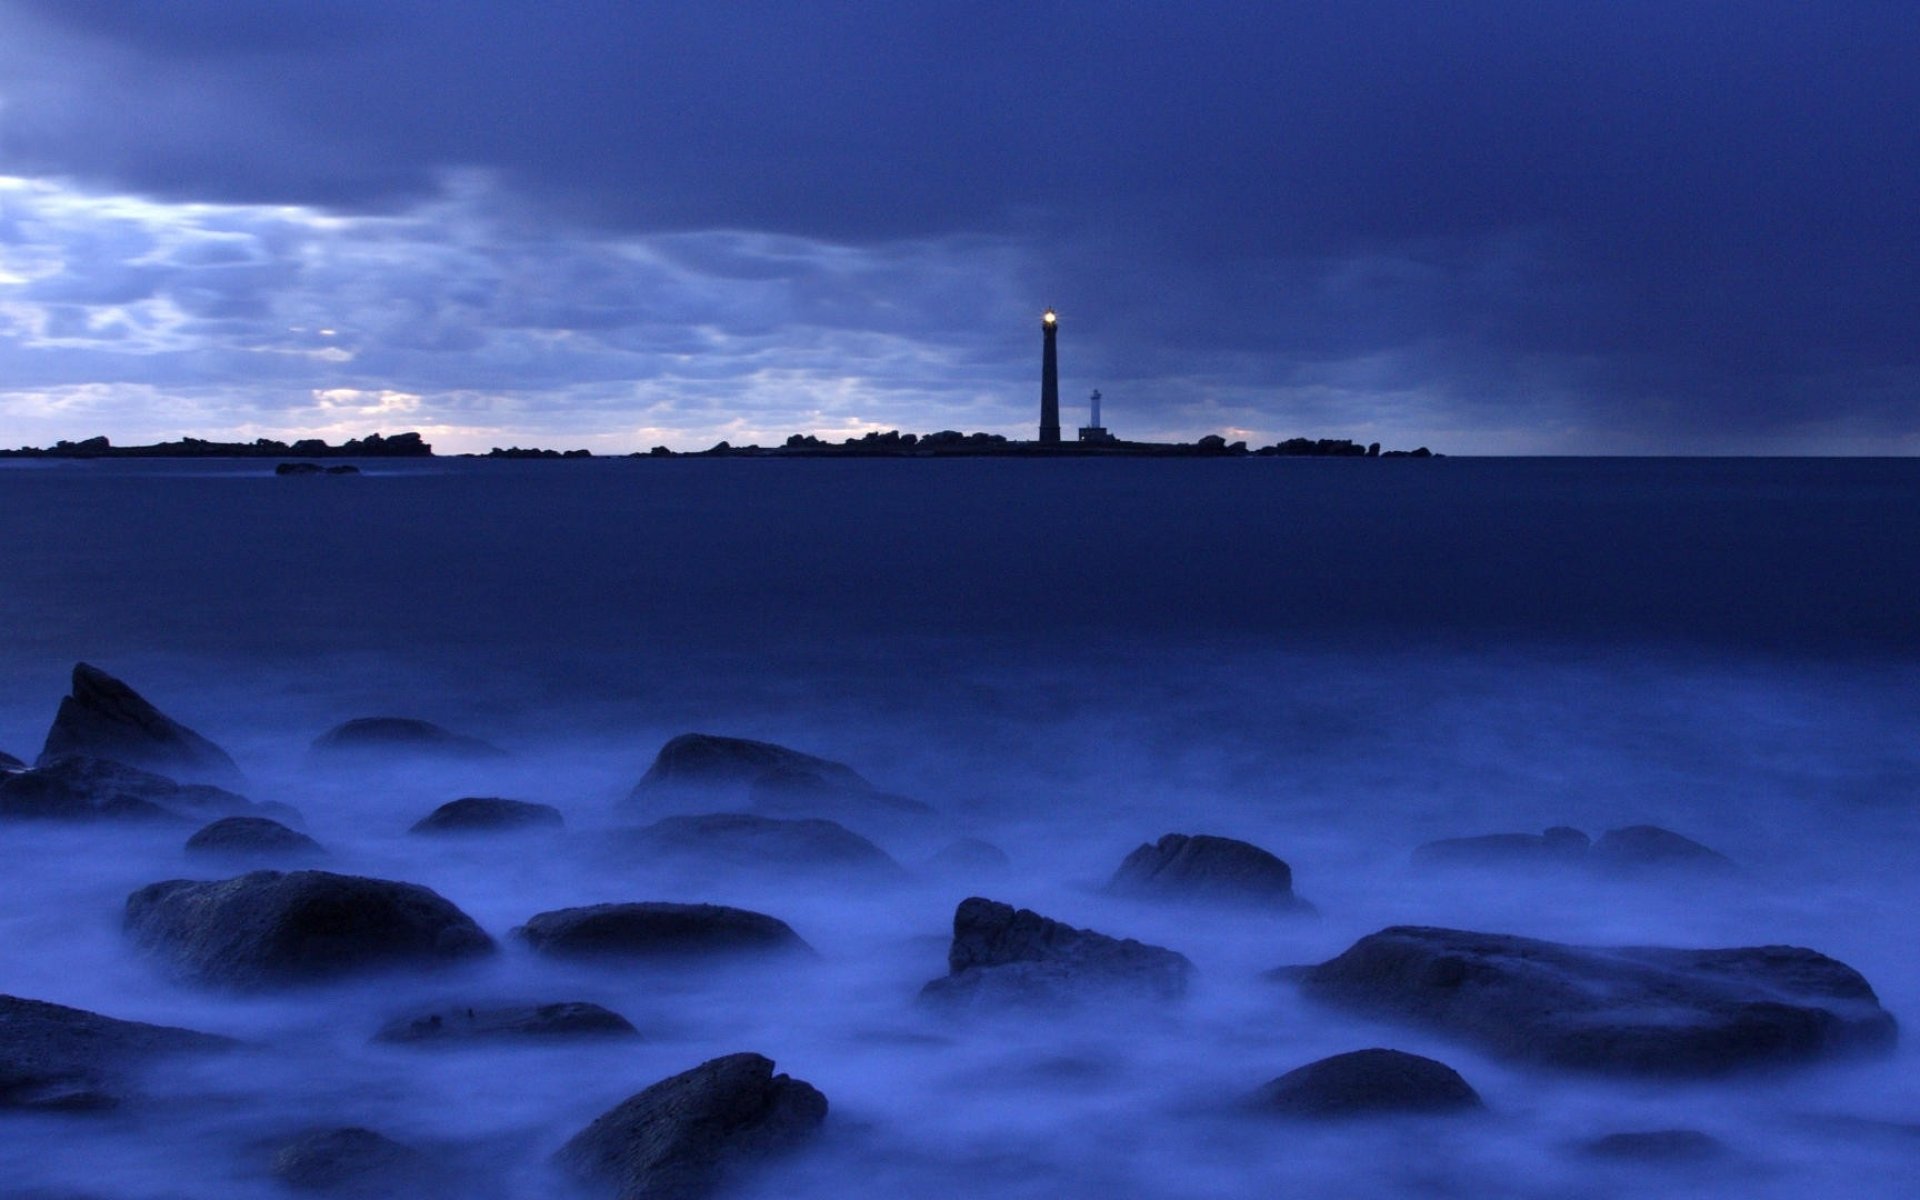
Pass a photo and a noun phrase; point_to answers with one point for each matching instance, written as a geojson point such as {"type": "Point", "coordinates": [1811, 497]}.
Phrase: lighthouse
{"type": "Point", "coordinates": [1049, 380]}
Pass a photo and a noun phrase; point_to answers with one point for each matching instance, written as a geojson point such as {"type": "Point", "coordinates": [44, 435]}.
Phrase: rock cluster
{"type": "Point", "coordinates": [78, 788]}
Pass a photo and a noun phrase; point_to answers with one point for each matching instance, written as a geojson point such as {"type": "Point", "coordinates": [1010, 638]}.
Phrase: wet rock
{"type": "Point", "coordinates": [687, 1137]}
{"type": "Point", "coordinates": [969, 856]}
{"type": "Point", "coordinates": [1644, 1010]}
{"type": "Point", "coordinates": [376, 736]}
{"type": "Point", "coordinates": [55, 1057]}
{"type": "Point", "coordinates": [1003, 955]}
{"type": "Point", "coordinates": [89, 789]}
{"type": "Point", "coordinates": [272, 928]}
{"type": "Point", "coordinates": [350, 1160]}
{"type": "Point", "coordinates": [1366, 1082]}
{"type": "Point", "coordinates": [512, 1022]}
{"type": "Point", "coordinates": [1557, 846]}
{"type": "Point", "coordinates": [1657, 1146]}
{"type": "Point", "coordinates": [252, 837]}
{"type": "Point", "coordinates": [1200, 867]}
{"type": "Point", "coordinates": [706, 762]}
{"type": "Point", "coordinates": [1639, 847]}
{"type": "Point", "coordinates": [104, 718]}
{"type": "Point", "coordinates": [656, 929]}
{"type": "Point", "coordinates": [755, 842]}
{"type": "Point", "coordinates": [488, 814]}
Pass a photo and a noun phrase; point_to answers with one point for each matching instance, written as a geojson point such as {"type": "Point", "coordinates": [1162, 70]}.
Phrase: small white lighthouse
{"type": "Point", "coordinates": [1094, 431]}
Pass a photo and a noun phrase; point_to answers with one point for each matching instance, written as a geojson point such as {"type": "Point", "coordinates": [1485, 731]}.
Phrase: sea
{"type": "Point", "coordinates": [1336, 660]}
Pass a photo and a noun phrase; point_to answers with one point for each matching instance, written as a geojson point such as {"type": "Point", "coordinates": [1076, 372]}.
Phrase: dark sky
{"type": "Point", "coordinates": [1491, 227]}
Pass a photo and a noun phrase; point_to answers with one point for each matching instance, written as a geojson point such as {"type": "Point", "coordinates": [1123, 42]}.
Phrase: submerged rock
{"type": "Point", "coordinates": [1201, 867]}
{"type": "Point", "coordinates": [1634, 848]}
{"type": "Point", "coordinates": [750, 841]}
{"type": "Point", "coordinates": [969, 856]}
{"type": "Point", "coordinates": [272, 928]}
{"type": "Point", "coordinates": [1367, 1082]}
{"type": "Point", "coordinates": [1636, 1009]}
{"type": "Point", "coordinates": [87, 789]}
{"type": "Point", "coordinates": [370, 736]}
{"type": "Point", "coordinates": [1004, 955]}
{"type": "Point", "coordinates": [657, 929]}
{"type": "Point", "coordinates": [518, 1021]}
{"type": "Point", "coordinates": [797, 792]}
{"type": "Point", "coordinates": [1649, 846]}
{"type": "Point", "coordinates": [252, 837]}
{"type": "Point", "coordinates": [706, 762]}
{"type": "Point", "coordinates": [488, 814]}
{"type": "Point", "coordinates": [1556, 846]}
{"type": "Point", "coordinates": [688, 1136]}
{"type": "Point", "coordinates": [104, 718]}
{"type": "Point", "coordinates": [349, 1159]}
{"type": "Point", "coordinates": [1657, 1146]}
{"type": "Point", "coordinates": [55, 1057]}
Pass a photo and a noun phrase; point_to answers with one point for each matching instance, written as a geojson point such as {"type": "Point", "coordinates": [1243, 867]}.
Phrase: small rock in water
{"type": "Point", "coordinates": [1657, 1145]}
{"type": "Point", "coordinates": [488, 814]}
{"type": "Point", "coordinates": [1006, 956]}
{"type": "Point", "coordinates": [252, 837]}
{"type": "Point", "coordinates": [691, 1135]}
{"type": "Point", "coordinates": [55, 1057]}
{"type": "Point", "coordinates": [272, 928]}
{"type": "Point", "coordinates": [373, 736]}
{"type": "Point", "coordinates": [1201, 867]}
{"type": "Point", "coordinates": [464, 1024]}
{"type": "Point", "coordinates": [658, 929]}
{"type": "Point", "coordinates": [350, 1160]}
{"type": "Point", "coordinates": [707, 762]}
{"type": "Point", "coordinates": [85, 789]}
{"type": "Point", "coordinates": [754, 842]}
{"type": "Point", "coordinates": [1368, 1082]}
{"type": "Point", "coordinates": [1649, 846]}
{"type": "Point", "coordinates": [969, 856]}
{"type": "Point", "coordinates": [104, 718]}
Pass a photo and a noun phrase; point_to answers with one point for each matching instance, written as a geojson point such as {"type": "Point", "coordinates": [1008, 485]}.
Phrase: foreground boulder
{"type": "Point", "coordinates": [1642, 1010]}
{"type": "Point", "coordinates": [706, 762]}
{"type": "Point", "coordinates": [657, 930]}
{"type": "Point", "coordinates": [91, 789]}
{"type": "Point", "coordinates": [350, 1160]}
{"type": "Point", "coordinates": [1366, 1082]}
{"type": "Point", "coordinates": [1015, 956]}
{"type": "Point", "coordinates": [272, 928]}
{"type": "Point", "coordinates": [755, 842]}
{"type": "Point", "coordinates": [376, 736]}
{"type": "Point", "coordinates": [512, 1022]}
{"type": "Point", "coordinates": [104, 718]}
{"type": "Point", "coordinates": [488, 814]}
{"type": "Point", "coordinates": [1200, 867]}
{"type": "Point", "coordinates": [55, 1057]}
{"type": "Point", "coordinates": [1635, 848]}
{"type": "Point", "coordinates": [252, 837]}
{"type": "Point", "coordinates": [687, 1137]}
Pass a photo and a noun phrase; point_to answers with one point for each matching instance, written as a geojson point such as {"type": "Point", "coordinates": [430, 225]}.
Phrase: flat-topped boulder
{"type": "Point", "coordinates": [1203, 868]}
{"type": "Point", "coordinates": [271, 928]}
{"type": "Point", "coordinates": [352, 1161]}
{"type": "Point", "coordinates": [96, 789]}
{"type": "Point", "coordinates": [373, 737]}
{"type": "Point", "coordinates": [657, 929]}
{"type": "Point", "coordinates": [1639, 847]}
{"type": "Point", "coordinates": [488, 814]}
{"type": "Point", "coordinates": [55, 1057]}
{"type": "Point", "coordinates": [104, 718]}
{"type": "Point", "coordinates": [1632, 1009]}
{"type": "Point", "coordinates": [1002, 955]}
{"type": "Point", "coordinates": [707, 762]}
{"type": "Point", "coordinates": [1635, 848]}
{"type": "Point", "coordinates": [1368, 1082]}
{"type": "Point", "coordinates": [252, 837]}
{"type": "Point", "coordinates": [692, 1135]}
{"type": "Point", "coordinates": [455, 1024]}
{"type": "Point", "coordinates": [748, 840]}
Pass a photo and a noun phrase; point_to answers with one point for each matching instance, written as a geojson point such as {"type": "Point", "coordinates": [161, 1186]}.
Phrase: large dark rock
{"type": "Point", "coordinates": [87, 789]}
{"type": "Point", "coordinates": [511, 1022]}
{"type": "Point", "coordinates": [104, 718]}
{"type": "Point", "coordinates": [687, 1137]}
{"type": "Point", "coordinates": [657, 929]}
{"type": "Point", "coordinates": [706, 762]}
{"type": "Point", "coordinates": [1632, 1009]}
{"type": "Point", "coordinates": [351, 1160]}
{"type": "Point", "coordinates": [1006, 955]}
{"type": "Point", "coordinates": [758, 843]}
{"type": "Point", "coordinates": [1365, 1082]}
{"type": "Point", "coordinates": [270, 928]}
{"type": "Point", "coordinates": [55, 1057]}
{"type": "Point", "coordinates": [1200, 867]}
{"type": "Point", "coordinates": [488, 814]}
{"type": "Point", "coordinates": [366, 737]}
{"type": "Point", "coordinates": [1556, 847]}
{"type": "Point", "coordinates": [252, 838]}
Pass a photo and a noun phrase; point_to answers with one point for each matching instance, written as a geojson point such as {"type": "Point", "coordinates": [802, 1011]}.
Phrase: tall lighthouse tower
{"type": "Point", "coordinates": [1049, 381]}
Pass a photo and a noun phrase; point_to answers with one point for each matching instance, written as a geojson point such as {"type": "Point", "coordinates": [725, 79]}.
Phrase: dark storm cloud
{"type": "Point", "coordinates": [1648, 218]}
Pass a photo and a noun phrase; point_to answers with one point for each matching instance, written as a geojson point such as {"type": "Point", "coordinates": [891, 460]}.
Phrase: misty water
{"type": "Point", "coordinates": [1336, 660]}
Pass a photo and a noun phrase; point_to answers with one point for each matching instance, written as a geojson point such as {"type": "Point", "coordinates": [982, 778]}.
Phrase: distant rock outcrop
{"type": "Point", "coordinates": [689, 1136]}
{"type": "Point", "coordinates": [307, 468]}
{"type": "Point", "coordinates": [652, 929]}
{"type": "Point", "coordinates": [706, 762]}
{"type": "Point", "coordinates": [488, 814]}
{"type": "Point", "coordinates": [1641, 1010]}
{"type": "Point", "coordinates": [460, 1024]}
{"type": "Point", "coordinates": [969, 856]}
{"type": "Point", "coordinates": [1369, 1082]}
{"type": "Point", "coordinates": [104, 718]}
{"type": "Point", "coordinates": [381, 736]}
{"type": "Point", "coordinates": [1001, 955]}
{"type": "Point", "coordinates": [1651, 847]}
{"type": "Point", "coordinates": [55, 1057]}
{"type": "Point", "coordinates": [252, 838]}
{"type": "Point", "coordinates": [270, 928]}
{"type": "Point", "coordinates": [752, 842]}
{"type": "Point", "coordinates": [1636, 848]}
{"type": "Point", "coordinates": [1557, 846]}
{"type": "Point", "coordinates": [1200, 867]}
{"type": "Point", "coordinates": [87, 789]}
{"type": "Point", "coordinates": [1674, 1146]}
